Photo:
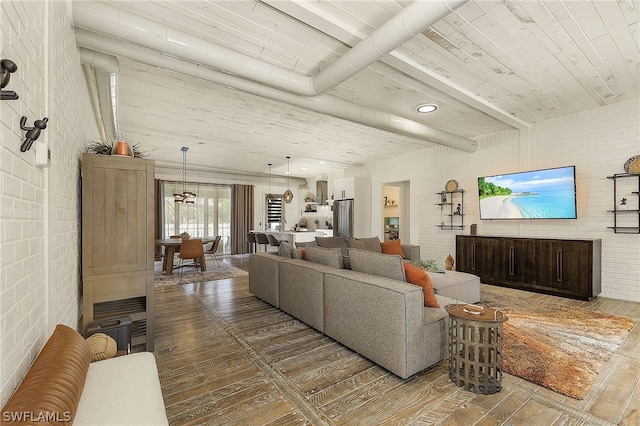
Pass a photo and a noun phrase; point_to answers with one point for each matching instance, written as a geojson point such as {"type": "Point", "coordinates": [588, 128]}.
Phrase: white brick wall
{"type": "Point", "coordinates": [39, 208]}
{"type": "Point", "coordinates": [597, 142]}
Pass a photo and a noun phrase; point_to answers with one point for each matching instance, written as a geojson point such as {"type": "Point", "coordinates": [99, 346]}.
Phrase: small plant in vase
{"type": "Point", "coordinates": [430, 265]}
{"type": "Point", "coordinates": [106, 147]}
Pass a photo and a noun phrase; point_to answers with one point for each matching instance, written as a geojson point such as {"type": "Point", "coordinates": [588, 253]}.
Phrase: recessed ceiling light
{"type": "Point", "coordinates": [425, 108]}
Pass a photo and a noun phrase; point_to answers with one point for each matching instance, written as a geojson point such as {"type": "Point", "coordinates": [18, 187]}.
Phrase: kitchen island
{"type": "Point", "coordinates": [297, 236]}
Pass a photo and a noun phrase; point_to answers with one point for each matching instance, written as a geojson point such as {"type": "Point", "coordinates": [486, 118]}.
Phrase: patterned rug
{"type": "Point", "coordinates": [560, 347]}
{"type": "Point", "coordinates": [190, 275]}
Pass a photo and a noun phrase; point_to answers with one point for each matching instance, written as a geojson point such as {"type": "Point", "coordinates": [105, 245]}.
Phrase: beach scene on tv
{"type": "Point", "coordinates": [539, 194]}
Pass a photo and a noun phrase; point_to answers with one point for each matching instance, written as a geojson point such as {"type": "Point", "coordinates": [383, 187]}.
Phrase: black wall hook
{"type": "Point", "coordinates": [32, 132]}
{"type": "Point", "coordinates": [7, 68]}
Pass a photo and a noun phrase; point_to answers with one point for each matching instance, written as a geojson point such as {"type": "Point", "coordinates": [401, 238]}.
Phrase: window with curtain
{"type": "Point", "coordinates": [209, 216]}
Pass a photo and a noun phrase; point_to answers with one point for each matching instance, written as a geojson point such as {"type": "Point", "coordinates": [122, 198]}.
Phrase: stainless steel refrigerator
{"type": "Point", "coordinates": [343, 218]}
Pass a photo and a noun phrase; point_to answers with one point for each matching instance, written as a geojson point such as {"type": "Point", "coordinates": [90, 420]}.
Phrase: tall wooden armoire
{"type": "Point", "coordinates": [118, 242]}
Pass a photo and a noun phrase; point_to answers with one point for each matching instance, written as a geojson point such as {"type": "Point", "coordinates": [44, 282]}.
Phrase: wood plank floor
{"type": "Point", "coordinates": [227, 358]}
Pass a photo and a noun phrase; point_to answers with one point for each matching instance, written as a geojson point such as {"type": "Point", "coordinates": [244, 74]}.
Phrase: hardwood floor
{"type": "Point", "coordinates": [226, 357]}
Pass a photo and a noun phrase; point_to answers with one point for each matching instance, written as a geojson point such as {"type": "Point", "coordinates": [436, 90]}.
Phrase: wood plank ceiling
{"type": "Point", "coordinates": [490, 65]}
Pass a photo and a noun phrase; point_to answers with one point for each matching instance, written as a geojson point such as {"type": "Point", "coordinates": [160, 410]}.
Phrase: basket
{"type": "Point", "coordinates": [632, 166]}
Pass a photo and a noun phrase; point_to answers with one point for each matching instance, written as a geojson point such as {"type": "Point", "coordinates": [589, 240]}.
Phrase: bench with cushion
{"type": "Point", "coordinates": [63, 386]}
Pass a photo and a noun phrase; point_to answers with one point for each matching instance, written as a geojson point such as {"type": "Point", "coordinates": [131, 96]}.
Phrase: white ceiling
{"type": "Point", "coordinates": [489, 65]}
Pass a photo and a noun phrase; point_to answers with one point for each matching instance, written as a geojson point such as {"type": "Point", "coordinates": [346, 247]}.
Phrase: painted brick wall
{"type": "Point", "coordinates": [39, 207]}
{"type": "Point", "coordinates": [597, 142]}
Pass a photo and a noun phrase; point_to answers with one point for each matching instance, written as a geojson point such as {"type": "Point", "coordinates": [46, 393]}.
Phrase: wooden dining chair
{"type": "Point", "coordinates": [191, 249]}
{"type": "Point", "coordinates": [213, 249]}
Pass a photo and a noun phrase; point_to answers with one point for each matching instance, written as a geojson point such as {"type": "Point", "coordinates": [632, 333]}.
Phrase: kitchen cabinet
{"type": "Point", "coordinates": [358, 189]}
{"type": "Point", "coordinates": [352, 187]}
{"type": "Point", "coordinates": [118, 242]}
{"type": "Point", "coordinates": [569, 268]}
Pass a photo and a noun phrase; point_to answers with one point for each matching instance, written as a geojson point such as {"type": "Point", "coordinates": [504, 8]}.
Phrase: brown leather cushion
{"type": "Point", "coordinates": [53, 386]}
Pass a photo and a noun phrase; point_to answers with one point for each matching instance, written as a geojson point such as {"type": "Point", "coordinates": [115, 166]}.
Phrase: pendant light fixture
{"type": "Point", "coordinates": [186, 196]}
{"type": "Point", "coordinates": [288, 195]}
{"type": "Point", "coordinates": [270, 196]}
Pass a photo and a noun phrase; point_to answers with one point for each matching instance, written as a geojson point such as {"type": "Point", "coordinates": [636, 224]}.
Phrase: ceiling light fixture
{"type": "Point", "coordinates": [270, 196]}
{"type": "Point", "coordinates": [288, 195]}
{"type": "Point", "coordinates": [186, 196]}
{"type": "Point", "coordinates": [426, 108]}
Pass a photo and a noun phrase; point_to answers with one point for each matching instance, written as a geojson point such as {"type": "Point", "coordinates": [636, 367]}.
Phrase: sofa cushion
{"type": "Point", "coordinates": [381, 265]}
{"type": "Point", "coordinates": [372, 244]}
{"type": "Point", "coordinates": [285, 250]}
{"type": "Point", "coordinates": [356, 244]}
{"type": "Point", "coordinates": [420, 278]}
{"type": "Point", "coordinates": [56, 379]}
{"type": "Point", "coordinates": [263, 276]}
{"type": "Point", "coordinates": [307, 244]}
{"type": "Point", "coordinates": [459, 286]}
{"type": "Point", "coordinates": [124, 390]}
{"type": "Point", "coordinates": [392, 247]}
{"type": "Point", "coordinates": [325, 256]}
{"type": "Point", "coordinates": [333, 242]}
{"type": "Point", "coordinates": [301, 290]}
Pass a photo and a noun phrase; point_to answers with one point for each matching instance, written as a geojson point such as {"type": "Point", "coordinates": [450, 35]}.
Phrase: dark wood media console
{"type": "Point", "coordinates": [568, 268]}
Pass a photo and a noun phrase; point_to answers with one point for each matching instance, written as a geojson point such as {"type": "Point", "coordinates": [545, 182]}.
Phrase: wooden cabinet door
{"type": "Point", "coordinates": [117, 215]}
{"type": "Point", "coordinates": [514, 261]}
{"type": "Point", "coordinates": [476, 255]}
{"type": "Point", "coordinates": [564, 266]}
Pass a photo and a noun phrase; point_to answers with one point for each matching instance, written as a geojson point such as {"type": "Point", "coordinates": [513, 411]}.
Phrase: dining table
{"type": "Point", "coordinates": [171, 245]}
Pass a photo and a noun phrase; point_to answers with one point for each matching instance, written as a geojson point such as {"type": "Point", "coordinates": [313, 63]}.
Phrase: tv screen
{"type": "Point", "coordinates": [537, 194]}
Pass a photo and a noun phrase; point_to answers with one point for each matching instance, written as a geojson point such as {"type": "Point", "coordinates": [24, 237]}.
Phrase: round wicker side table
{"type": "Point", "coordinates": [475, 347]}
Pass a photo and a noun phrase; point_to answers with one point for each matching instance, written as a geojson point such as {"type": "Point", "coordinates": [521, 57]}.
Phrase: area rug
{"type": "Point", "coordinates": [560, 347]}
{"type": "Point", "coordinates": [190, 275]}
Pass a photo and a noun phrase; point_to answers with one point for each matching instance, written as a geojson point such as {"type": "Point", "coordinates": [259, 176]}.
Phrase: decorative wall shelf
{"type": "Point", "coordinates": [451, 210]}
{"type": "Point", "coordinates": [625, 220]}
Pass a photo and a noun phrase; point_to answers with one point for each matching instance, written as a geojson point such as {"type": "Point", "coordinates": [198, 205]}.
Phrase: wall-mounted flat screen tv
{"type": "Point", "coordinates": [536, 194]}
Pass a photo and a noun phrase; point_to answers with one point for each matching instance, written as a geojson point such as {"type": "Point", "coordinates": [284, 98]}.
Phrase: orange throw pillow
{"type": "Point", "coordinates": [419, 277]}
{"type": "Point", "coordinates": [392, 247]}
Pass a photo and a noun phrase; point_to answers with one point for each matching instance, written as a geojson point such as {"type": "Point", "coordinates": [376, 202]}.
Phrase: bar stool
{"type": "Point", "coordinates": [262, 239]}
{"type": "Point", "coordinates": [251, 239]}
{"type": "Point", "coordinates": [273, 241]}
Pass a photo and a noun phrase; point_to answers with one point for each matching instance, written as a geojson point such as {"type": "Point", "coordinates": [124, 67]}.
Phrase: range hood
{"type": "Point", "coordinates": [322, 192]}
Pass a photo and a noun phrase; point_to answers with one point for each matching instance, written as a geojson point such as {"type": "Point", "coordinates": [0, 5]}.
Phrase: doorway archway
{"type": "Point", "coordinates": [395, 217]}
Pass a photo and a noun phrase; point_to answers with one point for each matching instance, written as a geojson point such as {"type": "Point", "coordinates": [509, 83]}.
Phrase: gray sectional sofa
{"type": "Point", "coordinates": [370, 307]}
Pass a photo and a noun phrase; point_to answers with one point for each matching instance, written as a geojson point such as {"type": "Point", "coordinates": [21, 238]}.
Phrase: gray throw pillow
{"type": "Point", "coordinates": [307, 244]}
{"type": "Point", "coordinates": [372, 244]}
{"type": "Point", "coordinates": [356, 244]}
{"type": "Point", "coordinates": [378, 264]}
{"type": "Point", "coordinates": [285, 250]}
{"type": "Point", "coordinates": [333, 242]}
{"type": "Point", "coordinates": [325, 256]}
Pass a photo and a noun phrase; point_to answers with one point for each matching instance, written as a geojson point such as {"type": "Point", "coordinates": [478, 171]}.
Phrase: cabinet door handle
{"type": "Point", "coordinates": [559, 265]}
{"type": "Point", "coordinates": [473, 257]}
{"type": "Point", "coordinates": [511, 260]}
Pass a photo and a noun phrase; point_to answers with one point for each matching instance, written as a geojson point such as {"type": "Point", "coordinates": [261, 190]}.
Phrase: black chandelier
{"type": "Point", "coordinates": [186, 196]}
